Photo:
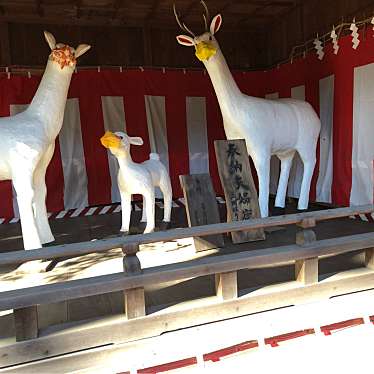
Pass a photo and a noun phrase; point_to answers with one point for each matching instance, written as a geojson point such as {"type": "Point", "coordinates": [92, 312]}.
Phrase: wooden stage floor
{"type": "Point", "coordinates": [103, 226]}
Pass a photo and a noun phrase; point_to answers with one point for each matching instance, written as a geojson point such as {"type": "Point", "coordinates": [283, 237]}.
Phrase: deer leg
{"type": "Point", "coordinates": [262, 165]}
{"type": "Point", "coordinates": [286, 163]}
{"type": "Point", "coordinates": [25, 199]}
{"type": "Point", "coordinates": [166, 190]}
{"type": "Point", "coordinates": [149, 197]}
{"type": "Point", "coordinates": [126, 211]}
{"type": "Point", "coordinates": [309, 163]}
{"type": "Point", "coordinates": [144, 210]}
{"type": "Point", "coordinates": [40, 209]}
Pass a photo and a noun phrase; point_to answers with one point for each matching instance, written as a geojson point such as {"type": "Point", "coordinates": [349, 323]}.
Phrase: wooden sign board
{"type": "Point", "coordinates": [201, 208]}
{"type": "Point", "coordinates": [240, 192]}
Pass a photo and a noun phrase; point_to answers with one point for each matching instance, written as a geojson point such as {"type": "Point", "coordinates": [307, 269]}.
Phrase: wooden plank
{"type": "Point", "coordinates": [240, 192]}
{"type": "Point", "coordinates": [201, 208]}
{"type": "Point", "coordinates": [227, 285]}
{"type": "Point", "coordinates": [103, 245]}
{"type": "Point", "coordinates": [119, 330]}
{"type": "Point", "coordinates": [26, 323]}
{"type": "Point", "coordinates": [212, 265]}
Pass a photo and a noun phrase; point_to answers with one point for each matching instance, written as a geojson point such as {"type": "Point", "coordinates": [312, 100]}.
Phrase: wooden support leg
{"type": "Point", "coordinates": [227, 285]}
{"type": "Point", "coordinates": [369, 258]}
{"type": "Point", "coordinates": [26, 323]}
{"type": "Point", "coordinates": [306, 270]}
{"type": "Point", "coordinates": [134, 298]}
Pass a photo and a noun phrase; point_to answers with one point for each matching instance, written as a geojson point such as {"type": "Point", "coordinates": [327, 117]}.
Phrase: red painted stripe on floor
{"type": "Point", "coordinates": [340, 325]}
{"type": "Point", "coordinates": [217, 355]}
{"type": "Point", "coordinates": [275, 340]}
{"type": "Point", "coordinates": [169, 366]}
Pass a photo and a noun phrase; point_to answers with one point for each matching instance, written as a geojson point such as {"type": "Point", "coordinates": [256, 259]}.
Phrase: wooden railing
{"type": "Point", "coordinates": [135, 324]}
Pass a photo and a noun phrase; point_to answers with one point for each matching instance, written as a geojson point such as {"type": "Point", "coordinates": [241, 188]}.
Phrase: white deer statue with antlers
{"type": "Point", "coordinates": [28, 142]}
{"type": "Point", "coordinates": [269, 127]}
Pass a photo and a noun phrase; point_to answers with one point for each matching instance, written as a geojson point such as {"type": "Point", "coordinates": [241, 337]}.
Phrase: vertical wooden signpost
{"type": "Point", "coordinates": [240, 192]}
{"type": "Point", "coordinates": [201, 208]}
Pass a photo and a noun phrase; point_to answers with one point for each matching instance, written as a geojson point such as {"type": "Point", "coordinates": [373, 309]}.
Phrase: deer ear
{"type": "Point", "coordinates": [136, 140]}
{"type": "Point", "coordinates": [215, 24]}
{"type": "Point", "coordinates": [81, 49]}
{"type": "Point", "coordinates": [50, 39]}
{"type": "Point", "coordinates": [185, 40]}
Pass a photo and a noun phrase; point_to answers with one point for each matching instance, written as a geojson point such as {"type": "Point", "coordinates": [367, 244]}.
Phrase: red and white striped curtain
{"type": "Point", "coordinates": [177, 115]}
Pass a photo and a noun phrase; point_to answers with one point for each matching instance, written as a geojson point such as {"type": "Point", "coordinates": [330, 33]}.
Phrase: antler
{"type": "Point", "coordinates": [206, 15]}
{"type": "Point", "coordinates": [182, 25]}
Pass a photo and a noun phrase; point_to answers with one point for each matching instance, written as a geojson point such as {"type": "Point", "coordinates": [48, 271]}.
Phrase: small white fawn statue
{"type": "Point", "coordinates": [135, 178]}
{"type": "Point", "coordinates": [28, 142]}
{"type": "Point", "coordinates": [269, 127]}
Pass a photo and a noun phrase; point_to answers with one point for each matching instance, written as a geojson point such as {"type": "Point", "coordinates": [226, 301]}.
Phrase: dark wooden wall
{"type": "Point", "coordinates": [23, 44]}
{"type": "Point", "coordinates": [307, 19]}
{"type": "Point", "coordinates": [126, 46]}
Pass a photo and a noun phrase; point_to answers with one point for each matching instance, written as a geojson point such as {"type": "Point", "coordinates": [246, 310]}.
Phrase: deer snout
{"type": "Point", "coordinates": [205, 50]}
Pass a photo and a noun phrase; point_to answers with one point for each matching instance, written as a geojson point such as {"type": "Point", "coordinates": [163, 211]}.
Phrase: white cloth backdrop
{"type": "Point", "coordinates": [363, 136]}
{"type": "Point", "coordinates": [197, 135]}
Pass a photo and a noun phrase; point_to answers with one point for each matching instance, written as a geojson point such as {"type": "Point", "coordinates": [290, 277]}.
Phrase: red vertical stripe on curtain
{"type": "Point", "coordinates": [176, 124]}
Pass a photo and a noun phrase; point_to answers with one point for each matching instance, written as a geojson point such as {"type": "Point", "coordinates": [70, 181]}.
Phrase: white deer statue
{"type": "Point", "coordinates": [28, 142]}
{"type": "Point", "coordinates": [269, 127]}
{"type": "Point", "coordinates": [135, 178]}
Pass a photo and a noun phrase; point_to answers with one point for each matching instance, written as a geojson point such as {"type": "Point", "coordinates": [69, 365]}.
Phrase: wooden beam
{"type": "Point", "coordinates": [166, 273]}
{"type": "Point", "coordinates": [83, 248]}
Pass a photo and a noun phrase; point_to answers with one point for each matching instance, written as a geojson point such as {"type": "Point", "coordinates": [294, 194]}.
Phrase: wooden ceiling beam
{"type": "Point", "coordinates": [117, 5]}
{"type": "Point", "coordinates": [78, 12]}
{"type": "Point", "coordinates": [39, 8]}
{"type": "Point", "coordinates": [261, 7]}
{"type": "Point", "coordinates": [153, 10]}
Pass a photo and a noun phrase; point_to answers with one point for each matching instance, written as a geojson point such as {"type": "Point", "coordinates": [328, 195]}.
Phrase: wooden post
{"type": "Point", "coordinates": [306, 270]}
{"type": "Point", "coordinates": [26, 323]}
{"type": "Point", "coordinates": [369, 258]}
{"type": "Point", "coordinates": [134, 298]}
{"type": "Point", "coordinates": [227, 285]}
